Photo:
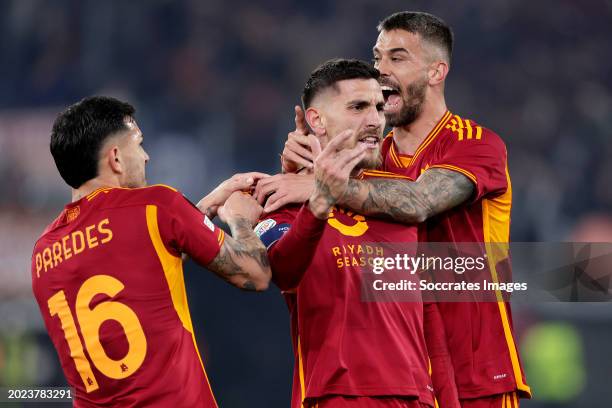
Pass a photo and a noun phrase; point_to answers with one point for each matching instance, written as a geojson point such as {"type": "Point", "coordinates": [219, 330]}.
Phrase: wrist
{"type": "Point", "coordinates": [320, 206]}
{"type": "Point", "coordinates": [238, 222]}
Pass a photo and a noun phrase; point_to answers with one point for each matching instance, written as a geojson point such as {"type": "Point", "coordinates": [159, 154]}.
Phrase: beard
{"type": "Point", "coordinates": [372, 162]}
{"type": "Point", "coordinates": [412, 105]}
{"type": "Point", "coordinates": [135, 178]}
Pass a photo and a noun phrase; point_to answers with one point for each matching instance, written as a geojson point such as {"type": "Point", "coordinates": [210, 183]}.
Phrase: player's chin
{"type": "Point", "coordinates": [372, 159]}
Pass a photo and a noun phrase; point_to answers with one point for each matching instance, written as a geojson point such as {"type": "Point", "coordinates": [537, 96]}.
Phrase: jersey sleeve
{"type": "Point", "coordinates": [482, 159]}
{"type": "Point", "coordinates": [184, 229]}
{"type": "Point", "coordinates": [291, 241]}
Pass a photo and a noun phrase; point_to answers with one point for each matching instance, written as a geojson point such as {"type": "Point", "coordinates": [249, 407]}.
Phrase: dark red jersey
{"type": "Point", "coordinates": [346, 346]}
{"type": "Point", "coordinates": [479, 335]}
{"type": "Point", "coordinates": [108, 278]}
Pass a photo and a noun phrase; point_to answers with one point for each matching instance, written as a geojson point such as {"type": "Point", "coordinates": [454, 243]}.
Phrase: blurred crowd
{"type": "Point", "coordinates": [214, 84]}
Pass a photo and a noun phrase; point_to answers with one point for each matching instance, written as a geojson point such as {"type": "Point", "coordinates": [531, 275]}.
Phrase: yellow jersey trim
{"type": "Point", "coordinates": [493, 254]}
{"type": "Point", "coordinates": [465, 172]}
{"type": "Point", "coordinates": [173, 271]}
{"type": "Point", "coordinates": [301, 370]}
{"type": "Point", "coordinates": [432, 135]}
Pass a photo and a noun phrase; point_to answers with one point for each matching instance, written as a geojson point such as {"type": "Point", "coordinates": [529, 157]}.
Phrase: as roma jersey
{"type": "Point", "coordinates": [108, 278]}
{"type": "Point", "coordinates": [479, 335]}
{"type": "Point", "coordinates": [345, 346]}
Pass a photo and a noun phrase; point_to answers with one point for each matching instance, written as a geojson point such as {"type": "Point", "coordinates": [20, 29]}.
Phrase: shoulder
{"type": "Point", "coordinates": [464, 131]}
{"type": "Point", "coordinates": [157, 194]}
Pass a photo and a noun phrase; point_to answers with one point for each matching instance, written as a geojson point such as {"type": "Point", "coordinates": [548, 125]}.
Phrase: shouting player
{"type": "Point", "coordinates": [462, 193]}
{"type": "Point", "coordinates": [108, 275]}
{"type": "Point", "coordinates": [349, 353]}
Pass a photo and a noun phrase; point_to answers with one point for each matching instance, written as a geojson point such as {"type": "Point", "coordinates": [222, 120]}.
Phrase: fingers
{"type": "Point", "coordinates": [337, 142]}
{"type": "Point", "coordinates": [300, 121]}
{"type": "Point", "coordinates": [255, 175]}
{"type": "Point", "coordinates": [354, 160]}
{"type": "Point", "coordinates": [315, 145]}
{"type": "Point", "coordinates": [298, 145]}
{"type": "Point", "coordinates": [241, 183]}
{"type": "Point", "coordinates": [346, 156]}
{"type": "Point", "coordinates": [275, 202]}
{"type": "Point", "coordinates": [266, 186]}
{"type": "Point", "coordinates": [265, 191]}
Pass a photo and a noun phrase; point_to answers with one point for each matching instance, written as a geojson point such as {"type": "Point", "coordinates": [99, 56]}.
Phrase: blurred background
{"type": "Point", "coordinates": [214, 84]}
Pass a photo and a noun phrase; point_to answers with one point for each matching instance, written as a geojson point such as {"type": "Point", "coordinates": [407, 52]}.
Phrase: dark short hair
{"type": "Point", "coordinates": [431, 28]}
{"type": "Point", "coordinates": [79, 132]}
{"type": "Point", "coordinates": [327, 74]}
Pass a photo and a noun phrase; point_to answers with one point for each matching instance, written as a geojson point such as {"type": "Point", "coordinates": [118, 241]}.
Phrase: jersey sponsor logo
{"type": "Point", "coordinates": [264, 226]}
{"type": "Point", "coordinates": [209, 223]}
{"type": "Point", "coordinates": [356, 229]}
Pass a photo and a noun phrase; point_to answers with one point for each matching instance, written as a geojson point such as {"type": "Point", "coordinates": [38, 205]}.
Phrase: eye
{"type": "Point", "coordinates": [380, 106]}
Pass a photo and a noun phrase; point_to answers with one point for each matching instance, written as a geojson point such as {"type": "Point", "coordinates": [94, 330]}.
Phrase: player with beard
{"type": "Point", "coordinates": [108, 274]}
{"type": "Point", "coordinates": [348, 353]}
{"type": "Point", "coordinates": [462, 193]}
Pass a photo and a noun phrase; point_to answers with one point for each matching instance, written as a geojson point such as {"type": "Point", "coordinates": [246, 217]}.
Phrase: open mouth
{"type": "Point", "coordinates": [370, 141]}
{"type": "Point", "coordinates": [392, 97]}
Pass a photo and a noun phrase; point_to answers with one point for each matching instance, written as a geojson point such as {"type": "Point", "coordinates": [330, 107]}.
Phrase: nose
{"type": "Point", "coordinates": [382, 65]}
{"type": "Point", "coordinates": [146, 157]}
{"type": "Point", "coordinates": [375, 118]}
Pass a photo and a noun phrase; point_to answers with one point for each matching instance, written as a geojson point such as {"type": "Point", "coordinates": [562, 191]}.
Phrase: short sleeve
{"type": "Point", "coordinates": [184, 229]}
{"type": "Point", "coordinates": [483, 160]}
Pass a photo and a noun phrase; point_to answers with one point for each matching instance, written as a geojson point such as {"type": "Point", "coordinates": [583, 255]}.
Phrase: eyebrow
{"type": "Point", "coordinates": [358, 102]}
{"type": "Point", "coordinates": [392, 50]}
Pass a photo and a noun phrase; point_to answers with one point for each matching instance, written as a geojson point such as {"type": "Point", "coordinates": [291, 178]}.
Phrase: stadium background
{"type": "Point", "coordinates": [214, 84]}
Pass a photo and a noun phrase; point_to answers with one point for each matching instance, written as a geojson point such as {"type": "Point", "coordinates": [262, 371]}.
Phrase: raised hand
{"type": "Point", "coordinates": [297, 152]}
{"type": "Point", "coordinates": [332, 168]}
{"type": "Point", "coordinates": [238, 182]}
{"type": "Point", "coordinates": [282, 189]}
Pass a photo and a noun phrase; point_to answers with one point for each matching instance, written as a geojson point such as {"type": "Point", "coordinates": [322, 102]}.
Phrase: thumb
{"type": "Point", "coordinates": [221, 213]}
{"type": "Point", "coordinates": [243, 183]}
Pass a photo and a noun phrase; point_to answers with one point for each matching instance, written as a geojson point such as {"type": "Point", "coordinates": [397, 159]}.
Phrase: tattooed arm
{"type": "Point", "coordinates": [242, 260]}
{"type": "Point", "coordinates": [435, 191]}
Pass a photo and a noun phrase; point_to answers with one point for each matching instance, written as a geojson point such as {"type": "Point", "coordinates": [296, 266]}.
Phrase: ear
{"type": "Point", "coordinates": [315, 121]}
{"type": "Point", "coordinates": [113, 158]}
{"type": "Point", "coordinates": [437, 72]}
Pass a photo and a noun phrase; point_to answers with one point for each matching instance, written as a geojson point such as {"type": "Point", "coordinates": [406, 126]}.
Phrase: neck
{"type": "Point", "coordinates": [92, 185]}
{"type": "Point", "coordinates": [409, 137]}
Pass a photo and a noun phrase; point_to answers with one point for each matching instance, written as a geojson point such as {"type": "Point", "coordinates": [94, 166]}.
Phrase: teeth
{"type": "Point", "coordinates": [387, 88]}
{"type": "Point", "coordinates": [371, 139]}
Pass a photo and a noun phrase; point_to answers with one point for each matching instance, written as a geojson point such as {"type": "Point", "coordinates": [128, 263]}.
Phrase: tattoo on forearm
{"type": "Point", "coordinates": [243, 245]}
{"type": "Point", "coordinates": [325, 192]}
{"type": "Point", "coordinates": [437, 190]}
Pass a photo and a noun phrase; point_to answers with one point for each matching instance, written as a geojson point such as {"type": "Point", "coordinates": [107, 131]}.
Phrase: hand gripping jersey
{"type": "Point", "coordinates": [343, 345]}
{"type": "Point", "coordinates": [480, 336]}
{"type": "Point", "coordinates": [108, 278]}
